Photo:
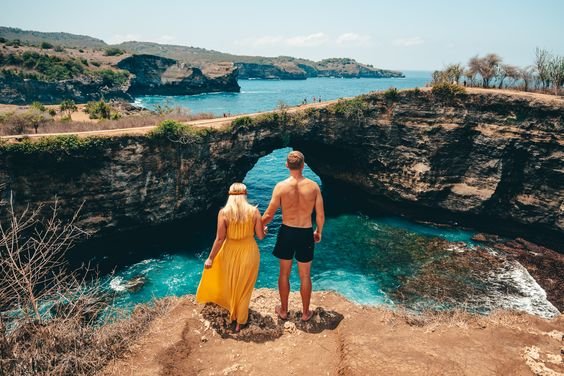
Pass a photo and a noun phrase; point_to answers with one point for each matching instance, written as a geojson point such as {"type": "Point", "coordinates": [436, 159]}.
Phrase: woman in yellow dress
{"type": "Point", "coordinates": [231, 270]}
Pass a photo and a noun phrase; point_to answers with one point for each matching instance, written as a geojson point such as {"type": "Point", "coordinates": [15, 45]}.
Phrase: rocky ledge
{"type": "Point", "coordinates": [344, 338]}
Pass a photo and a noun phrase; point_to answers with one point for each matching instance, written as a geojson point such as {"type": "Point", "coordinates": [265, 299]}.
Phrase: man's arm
{"type": "Point", "coordinates": [319, 216]}
{"type": "Point", "coordinates": [272, 206]}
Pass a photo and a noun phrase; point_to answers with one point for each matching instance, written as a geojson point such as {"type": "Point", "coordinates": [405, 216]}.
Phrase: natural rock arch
{"type": "Point", "coordinates": [492, 160]}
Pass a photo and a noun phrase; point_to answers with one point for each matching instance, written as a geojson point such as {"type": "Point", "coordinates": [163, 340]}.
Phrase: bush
{"type": "Point", "coordinates": [113, 51]}
{"type": "Point", "coordinates": [244, 122]}
{"type": "Point", "coordinates": [39, 106]}
{"type": "Point", "coordinates": [98, 110]}
{"type": "Point", "coordinates": [391, 95]}
{"type": "Point", "coordinates": [170, 129]}
{"type": "Point", "coordinates": [59, 49]}
{"type": "Point", "coordinates": [447, 91]}
{"type": "Point", "coordinates": [46, 46]}
{"type": "Point", "coordinates": [111, 77]}
{"type": "Point", "coordinates": [67, 107]}
{"type": "Point", "coordinates": [52, 112]}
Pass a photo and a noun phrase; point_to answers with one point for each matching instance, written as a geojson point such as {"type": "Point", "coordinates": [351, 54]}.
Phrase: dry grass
{"type": "Point", "coordinates": [69, 346]}
{"type": "Point", "coordinates": [16, 123]}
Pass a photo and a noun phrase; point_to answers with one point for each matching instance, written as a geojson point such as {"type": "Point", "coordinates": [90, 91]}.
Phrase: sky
{"type": "Point", "coordinates": [392, 34]}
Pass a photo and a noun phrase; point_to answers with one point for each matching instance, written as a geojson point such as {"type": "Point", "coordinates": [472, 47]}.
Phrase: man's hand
{"type": "Point", "coordinates": [265, 230]}
{"type": "Point", "coordinates": [317, 236]}
{"type": "Point", "coordinates": [208, 264]}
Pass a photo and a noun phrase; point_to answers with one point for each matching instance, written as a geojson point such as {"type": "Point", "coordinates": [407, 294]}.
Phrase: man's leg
{"type": "Point", "coordinates": [284, 286]}
{"type": "Point", "coordinates": [305, 288]}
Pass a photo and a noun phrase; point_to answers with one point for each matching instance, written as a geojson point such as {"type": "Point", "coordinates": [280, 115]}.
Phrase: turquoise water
{"type": "Point", "coordinates": [360, 257]}
{"type": "Point", "coordinates": [264, 95]}
{"type": "Point", "coordinates": [370, 259]}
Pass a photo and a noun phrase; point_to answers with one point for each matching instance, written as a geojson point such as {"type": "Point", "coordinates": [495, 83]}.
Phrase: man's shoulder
{"type": "Point", "coordinates": [311, 183]}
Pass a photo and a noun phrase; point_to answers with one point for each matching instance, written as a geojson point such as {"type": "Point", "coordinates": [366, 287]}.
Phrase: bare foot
{"type": "Point", "coordinates": [308, 316]}
{"type": "Point", "coordinates": [238, 328]}
{"type": "Point", "coordinates": [281, 315]}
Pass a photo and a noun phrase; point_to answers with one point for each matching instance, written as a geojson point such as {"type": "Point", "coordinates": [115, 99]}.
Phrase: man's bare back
{"type": "Point", "coordinates": [297, 198]}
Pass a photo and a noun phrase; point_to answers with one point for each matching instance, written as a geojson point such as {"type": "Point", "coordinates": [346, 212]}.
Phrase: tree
{"type": "Point", "coordinates": [68, 107]}
{"type": "Point", "coordinates": [542, 57]}
{"type": "Point", "coordinates": [454, 72]}
{"type": "Point", "coordinates": [36, 118]}
{"type": "Point", "coordinates": [507, 71]}
{"type": "Point", "coordinates": [487, 67]}
{"type": "Point", "coordinates": [556, 72]}
{"type": "Point", "coordinates": [527, 74]}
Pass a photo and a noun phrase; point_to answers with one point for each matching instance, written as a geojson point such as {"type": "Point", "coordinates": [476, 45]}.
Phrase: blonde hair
{"type": "Point", "coordinates": [237, 209]}
{"type": "Point", "coordinates": [295, 160]}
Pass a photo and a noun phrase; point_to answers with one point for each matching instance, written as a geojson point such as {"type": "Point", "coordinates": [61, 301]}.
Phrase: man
{"type": "Point", "coordinates": [298, 197]}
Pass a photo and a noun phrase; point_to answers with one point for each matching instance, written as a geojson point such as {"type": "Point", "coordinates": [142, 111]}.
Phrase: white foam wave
{"type": "Point", "coordinates": [527, 295]}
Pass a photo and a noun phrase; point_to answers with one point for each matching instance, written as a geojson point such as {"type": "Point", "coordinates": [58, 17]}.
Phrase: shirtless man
{"type": "Point", "coordinates": [298, 197]}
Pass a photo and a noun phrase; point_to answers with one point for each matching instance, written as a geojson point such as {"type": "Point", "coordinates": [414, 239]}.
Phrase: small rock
{"type": "Point", "coordinates": [289, 327]}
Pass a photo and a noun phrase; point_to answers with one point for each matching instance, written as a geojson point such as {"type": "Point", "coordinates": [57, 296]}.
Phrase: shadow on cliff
{"type": "Point", "coordinates": [263, 328]}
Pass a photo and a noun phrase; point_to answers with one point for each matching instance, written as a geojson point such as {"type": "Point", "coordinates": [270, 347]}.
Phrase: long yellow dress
{"type": "Point", "coordinates": [231, 279]}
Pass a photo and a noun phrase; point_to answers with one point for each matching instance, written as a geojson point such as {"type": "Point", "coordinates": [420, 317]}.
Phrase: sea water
{"type": "Point", "coordinates": [366, 258]}
{"type": "Point", "coordinates": [265, 95]}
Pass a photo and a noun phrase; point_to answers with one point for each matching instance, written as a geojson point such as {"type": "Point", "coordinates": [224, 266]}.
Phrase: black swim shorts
{"type": "Point", "coordinates": [294, 242]}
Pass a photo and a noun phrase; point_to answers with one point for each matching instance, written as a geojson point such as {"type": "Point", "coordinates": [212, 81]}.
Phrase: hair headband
{"type": "Point", "coordinates": [237, 193]}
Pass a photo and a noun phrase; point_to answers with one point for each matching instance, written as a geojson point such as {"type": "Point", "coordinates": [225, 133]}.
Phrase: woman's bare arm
{"type": "Point", "coordinates": [219, 239]}
{"type": "Point", "coordinates": [259, 227]}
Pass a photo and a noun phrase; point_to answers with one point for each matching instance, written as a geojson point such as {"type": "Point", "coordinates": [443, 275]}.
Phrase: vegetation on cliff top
{"type": "Point", "coordinates": [546, 73]}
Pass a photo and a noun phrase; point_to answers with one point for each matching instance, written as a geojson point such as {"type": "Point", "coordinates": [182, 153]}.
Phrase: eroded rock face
{"type": "Point", "coordinates": [492, 160]}
{"type": "Point", "coordinates": [17, 90]}
{"type": "Point", "coordinates": [156, 75]}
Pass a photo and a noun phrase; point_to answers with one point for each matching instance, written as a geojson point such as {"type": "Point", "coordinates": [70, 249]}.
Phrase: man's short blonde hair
{"type": "Point", "coordinates": [295, 160]}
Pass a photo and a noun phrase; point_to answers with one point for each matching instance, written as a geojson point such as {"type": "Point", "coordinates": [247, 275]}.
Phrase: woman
{"type": "Point", "coordinates": [231, 270]}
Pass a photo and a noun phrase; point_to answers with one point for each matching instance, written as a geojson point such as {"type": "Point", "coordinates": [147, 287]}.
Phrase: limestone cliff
{"type": "Point", "coordinates": [18, 90]}
{"type": "Point", "coordinates": [154, 75]}
{"type": "Point", "coordinates": [492, 160]}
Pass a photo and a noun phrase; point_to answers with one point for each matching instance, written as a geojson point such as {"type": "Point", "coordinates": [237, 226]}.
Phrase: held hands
{"type": "Point", "coordinates": [265, 230]}
{"type": "Point", "coordinates": [208, 263]}
{"type": "Point", "coordinates": [317, 236]}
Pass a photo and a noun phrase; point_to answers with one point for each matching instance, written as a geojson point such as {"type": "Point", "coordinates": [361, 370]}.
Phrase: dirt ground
{"type": "Point", "coordinates": [343, 339]}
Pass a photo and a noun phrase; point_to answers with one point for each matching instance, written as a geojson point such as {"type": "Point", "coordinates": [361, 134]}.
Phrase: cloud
{"type": "Point", "coordinates": [118, 38]}
{"type": "Point", "coordinates": [310, 40]}
{"type": "Point", "coordinates": [409, 42]}
{"type": "Point", "coordinates": [353, 39]}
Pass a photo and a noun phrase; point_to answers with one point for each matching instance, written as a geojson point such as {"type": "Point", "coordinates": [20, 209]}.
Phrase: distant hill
{"type": "Point", "coordinates": [61, 39]}
{"type": "Point", "coordinates": [281, 67]}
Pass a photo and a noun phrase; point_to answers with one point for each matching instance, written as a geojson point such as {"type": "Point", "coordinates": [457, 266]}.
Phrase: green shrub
{"type": "Point", "coordinates": [447, 91]}
{"type": "Point", "coordinates": [113, 51]}
{"type": "Point", "coordinates": [350, 108]}
{"type": "Point", "coordinates": [59, 49]}
{"type": "Point", "coordinates": [170, 129]}
{"type": "Point", "coordinates": [244, 122]}
{"type": "Point", "coordinates": [67, 107]}
{"type": "Point", "coordinates": [98, 110]}
{"type": "Point", "coordinates": [391, 95]}
{"type": "Point", "coordinates": [60, 146]}
{"type": "Point", "coordinates": [111, 77]}
{"type": "Point", "coordinates": [95, 63]}
{"type": "Point", "coordinates": [46, 46]}
{"type": "Point", "coordinates": [52, 112]}
{"type": "Point", "coordinates": [38, 106]}
{"type": "Point", "coordinates": [2, 40]}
